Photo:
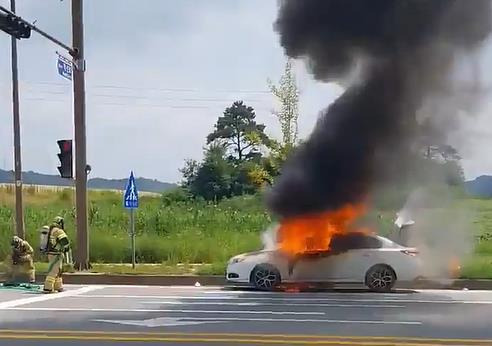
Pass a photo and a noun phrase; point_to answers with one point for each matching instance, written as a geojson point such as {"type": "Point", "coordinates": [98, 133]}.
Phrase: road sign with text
{"type": "Point", "coordinates": [64, 67]}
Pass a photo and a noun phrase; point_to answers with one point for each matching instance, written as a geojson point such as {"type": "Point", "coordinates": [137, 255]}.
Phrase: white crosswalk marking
{"type": "Point", "coordinates": [69, 293]}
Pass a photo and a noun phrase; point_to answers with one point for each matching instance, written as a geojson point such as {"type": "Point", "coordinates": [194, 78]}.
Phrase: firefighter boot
{"type": "Point", "coordinates": [49, 284]}
{"type": "Point", "coordinates": [58, 286]}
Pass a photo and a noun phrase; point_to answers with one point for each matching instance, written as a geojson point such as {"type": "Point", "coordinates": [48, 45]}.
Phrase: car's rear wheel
{"type": "Point", "coordinates": [265, 277]}
{"type": "Point", "coordinates": [380, 278]}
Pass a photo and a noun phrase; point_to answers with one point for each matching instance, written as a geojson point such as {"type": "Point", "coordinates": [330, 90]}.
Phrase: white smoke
{"type": "Point", "coordinates": [442, 229]}
{"type": "Point", "coordinates": [269, 237]}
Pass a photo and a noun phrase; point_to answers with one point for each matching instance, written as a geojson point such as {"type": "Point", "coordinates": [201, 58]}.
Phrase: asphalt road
{"type": "Point", "coordinates": [139, 315]}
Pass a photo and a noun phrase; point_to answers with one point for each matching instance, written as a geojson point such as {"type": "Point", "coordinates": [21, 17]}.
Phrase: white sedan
{"type": "Point", "coordinates": [372, 260]}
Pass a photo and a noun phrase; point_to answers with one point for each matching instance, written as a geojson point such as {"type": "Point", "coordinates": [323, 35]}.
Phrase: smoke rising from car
{"type": "Point", "coordinates": [443, 230]}
{"type": "Point", "coordinates": [405, 53]}
{"type": "Point", "coordinates": [269, 238]}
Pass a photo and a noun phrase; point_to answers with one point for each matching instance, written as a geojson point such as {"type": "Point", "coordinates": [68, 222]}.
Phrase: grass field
{"type": "Point", "coordinates": [175, 233]}
{"type": "Point", "coordinates": [170, 232]}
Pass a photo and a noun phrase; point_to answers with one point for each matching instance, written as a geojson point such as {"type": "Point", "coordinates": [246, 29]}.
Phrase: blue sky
{"type": "Point", "coordinates": [159, 73]}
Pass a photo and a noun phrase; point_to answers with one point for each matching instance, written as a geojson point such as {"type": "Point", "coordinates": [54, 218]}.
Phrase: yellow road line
{"type": "Point", "coordinates": [234, 338]}
{"type": "Point", "coordinates": [304, 336]}
{"type": "Point", "coordinates": [275, 336]}
{"type": "Point", "coordinates": [218, 340]}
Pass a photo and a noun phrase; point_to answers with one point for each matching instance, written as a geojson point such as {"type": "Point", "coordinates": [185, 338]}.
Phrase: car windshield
{"type": "Point", "coordinates": [387, 243]}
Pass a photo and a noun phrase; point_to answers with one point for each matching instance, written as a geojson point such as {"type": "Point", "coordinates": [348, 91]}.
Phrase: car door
{"type": "Point", "coordinates": [353, 263]}
{"type": "Point", "coordinates": [317, 267]}
{"type": "Point", "coordinates": [350, 256]}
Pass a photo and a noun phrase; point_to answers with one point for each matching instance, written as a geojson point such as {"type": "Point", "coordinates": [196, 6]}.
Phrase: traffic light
{"type": "Point", "coordinates": [65, 156]}
{"type": "Point", "coordinates": [14, 26]}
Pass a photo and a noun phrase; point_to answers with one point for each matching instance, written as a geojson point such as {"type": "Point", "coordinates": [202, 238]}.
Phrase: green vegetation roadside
{"type": "Point", "coordinates": [168, 231]}
{"type": "Point", "coordinates": [477, 267]}
{"type": "Point", "coordinates": [177, 236]}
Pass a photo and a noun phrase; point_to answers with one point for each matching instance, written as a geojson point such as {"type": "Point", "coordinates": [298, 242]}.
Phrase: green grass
{"type": "Point", "coordinates": [159, 269]}
{"type": "Point", "coordinates": [478, 267]}
{"type": "Point", "coordinates": [184, 232]}
{"type": "Point", "coordinates": [175, 235]}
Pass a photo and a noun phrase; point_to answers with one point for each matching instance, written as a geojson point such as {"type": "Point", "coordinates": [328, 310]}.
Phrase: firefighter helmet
{"type": "Point", "coordinates": [59, 222]}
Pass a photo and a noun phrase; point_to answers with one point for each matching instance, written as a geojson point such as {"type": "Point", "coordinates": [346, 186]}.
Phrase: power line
{"type": "Point", "coordinates": [148, 98]}
{"type": "Point", "coordinates": [40, 96]}
{"type": "Point", "coordinates": [143, 105]}
{"type": "Point", "coordinates": [174, 98]}
{"type": "Point", "coordinates": [123, 87]}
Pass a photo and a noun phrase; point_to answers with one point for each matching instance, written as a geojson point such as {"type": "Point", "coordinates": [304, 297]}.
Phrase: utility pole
{"type": "Point", "coordinates": [20, 28]}
{"type": "Point", "coordinates": [19, 210]}
{"type": "Point", "coordinates": [82, 254]}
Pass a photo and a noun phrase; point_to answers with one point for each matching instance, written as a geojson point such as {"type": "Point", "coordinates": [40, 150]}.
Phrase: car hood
{"type": "Point", "coordinates": [248, 255]}
{"type": "Point", "coordinates": [255, 253]}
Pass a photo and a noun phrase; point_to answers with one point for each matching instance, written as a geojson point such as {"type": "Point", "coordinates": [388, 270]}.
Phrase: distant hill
{"type": "Point", "coordinates": [143, 184]}
{"type": "Point", "coordinates": [33, 178]}
{"type": "Point", "coordinates": [480, 186]}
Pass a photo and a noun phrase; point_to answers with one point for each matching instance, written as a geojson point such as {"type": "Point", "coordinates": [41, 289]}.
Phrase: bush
{"type": "Point", "coordinates": [177, 195]}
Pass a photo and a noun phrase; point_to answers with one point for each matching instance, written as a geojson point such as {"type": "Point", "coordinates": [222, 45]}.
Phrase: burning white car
{"type": "Point", "coordinates": [372, 260]}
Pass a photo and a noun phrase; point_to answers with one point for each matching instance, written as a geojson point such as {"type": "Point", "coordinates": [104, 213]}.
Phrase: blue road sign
{"type": "Point", "coordinates": [131, 194]}
{"type": "Point", "coordinates": [64, 67]}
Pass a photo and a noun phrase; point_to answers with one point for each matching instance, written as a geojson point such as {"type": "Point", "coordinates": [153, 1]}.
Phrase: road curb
{"type": "Point", "coordinates": [219, 280]}
{"type": "Point", "coordinates": [146, 280]}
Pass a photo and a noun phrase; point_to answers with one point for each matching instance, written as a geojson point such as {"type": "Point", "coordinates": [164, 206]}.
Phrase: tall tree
{"type": "Point", "coordinates": [212, 180]}
{"type": "Point", "coordinates": [189, 172]}
{"type": "Point", "coordinates": [287, 93]}
{"type": "Point", "coordinates": [239, 133]}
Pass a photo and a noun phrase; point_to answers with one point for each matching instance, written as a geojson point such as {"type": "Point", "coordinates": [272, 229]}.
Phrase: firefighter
{"type": "Point", "coordinates": [22, 264]}
{"type": "Point", "coordinates": [57, 246]}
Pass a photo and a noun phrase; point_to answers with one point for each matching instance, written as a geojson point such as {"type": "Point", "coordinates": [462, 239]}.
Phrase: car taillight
{"type": "Point", "coordinates": [410, 252]}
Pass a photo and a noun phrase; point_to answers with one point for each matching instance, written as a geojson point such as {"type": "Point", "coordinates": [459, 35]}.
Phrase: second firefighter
{"type": "Point", "coordinates": [56, 245]}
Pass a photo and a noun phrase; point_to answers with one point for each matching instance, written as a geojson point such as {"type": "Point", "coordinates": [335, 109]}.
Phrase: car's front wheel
{"type": "Point", "coordinates": [380, 278]}
{"type": "Point", "coordinates": [265, 277]}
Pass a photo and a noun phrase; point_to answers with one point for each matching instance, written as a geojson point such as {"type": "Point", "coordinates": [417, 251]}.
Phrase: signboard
{"type": "Point", "coordinates": [64, 67]}
{"type": "Point", "coordinates": [130, 200]}
{"type": "Point", "coordinates": [131, 194]}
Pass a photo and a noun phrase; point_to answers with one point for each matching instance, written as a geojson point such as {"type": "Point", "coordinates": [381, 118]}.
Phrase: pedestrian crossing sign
{"type": "Point", "coordinates": [131, 194]}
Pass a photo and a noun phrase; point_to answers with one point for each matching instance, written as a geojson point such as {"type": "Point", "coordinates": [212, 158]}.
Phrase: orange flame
{"type": "Point", "coordinates": [313, 233]}
{"type": "Point", "coordinates": [454, 267]}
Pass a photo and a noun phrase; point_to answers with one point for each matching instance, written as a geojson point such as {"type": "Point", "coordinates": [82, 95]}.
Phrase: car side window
{"type": "Point", "coordinates": [352, 241]}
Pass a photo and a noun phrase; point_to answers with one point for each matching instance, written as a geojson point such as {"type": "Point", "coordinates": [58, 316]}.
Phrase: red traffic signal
{"type": "Point", "coordinates": [66, 158]}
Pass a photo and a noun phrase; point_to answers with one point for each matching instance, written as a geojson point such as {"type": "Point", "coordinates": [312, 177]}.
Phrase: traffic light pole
{"type": "Point", "coordinates": [82, 254]}
{"type": "Point", "coordinates": [77, 52]}
{"type": "Point", "coordinates": [19, 210]}
{"type": "Point", "coordinates": [39, 31]}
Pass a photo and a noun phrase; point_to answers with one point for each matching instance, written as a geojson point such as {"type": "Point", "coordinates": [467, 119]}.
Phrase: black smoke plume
{"type": "Point", "coordinates": [403, 53]}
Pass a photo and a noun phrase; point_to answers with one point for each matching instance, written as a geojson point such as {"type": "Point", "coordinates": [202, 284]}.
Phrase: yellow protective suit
{"type": "Point", "coordinates": [21, 264]}
{"type": "Point", "coordinates": [58, 245]}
